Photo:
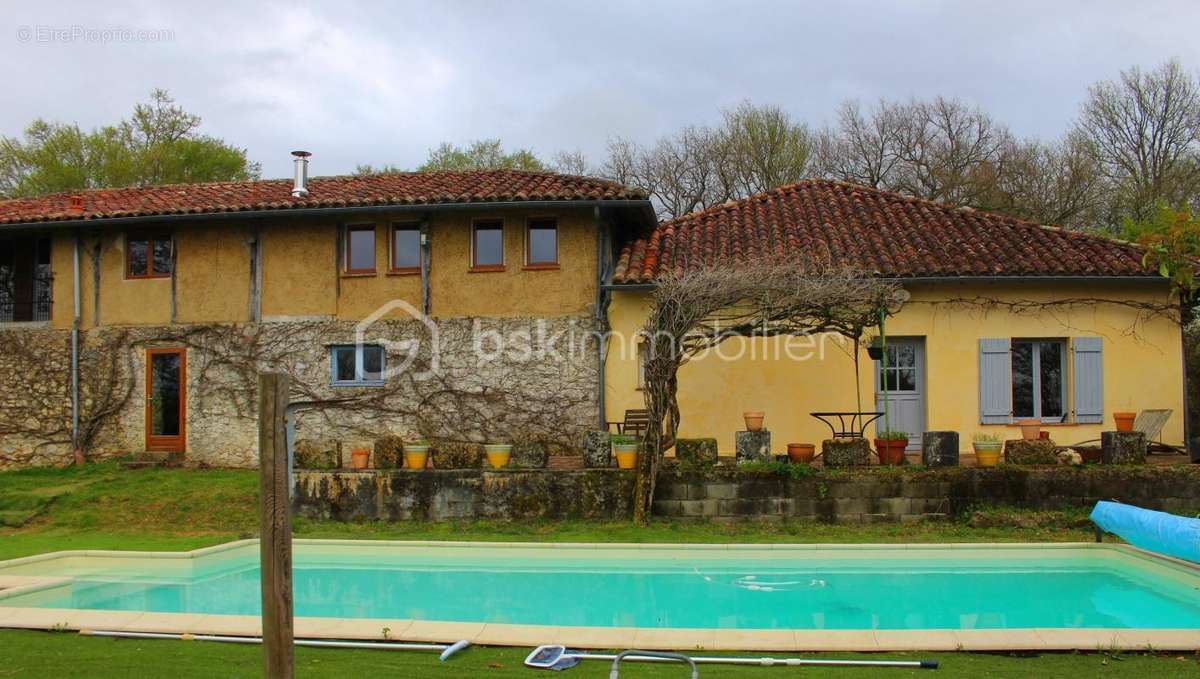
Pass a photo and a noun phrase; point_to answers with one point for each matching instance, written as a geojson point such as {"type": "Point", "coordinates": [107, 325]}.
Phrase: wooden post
{"type": "Point", "coordinates": [275, 527]}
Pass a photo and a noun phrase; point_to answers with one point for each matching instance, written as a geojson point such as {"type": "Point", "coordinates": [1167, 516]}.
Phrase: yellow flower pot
{"type": "Point", "coordinates": [498, 455]}
{"type": "Point", "coordinates": [416, 457]}
{"type": "Point", "coordinates": [627, 455]}
{"type": "Point", "coordinates": [987, 455]}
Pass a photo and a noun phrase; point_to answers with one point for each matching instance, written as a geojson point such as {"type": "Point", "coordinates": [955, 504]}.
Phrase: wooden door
{"type": "Point", "coordinates": [166, 399]}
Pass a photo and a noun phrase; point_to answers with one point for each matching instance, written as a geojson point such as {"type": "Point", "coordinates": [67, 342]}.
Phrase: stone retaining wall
{"type": "Point", "coordinates": [730, 494]}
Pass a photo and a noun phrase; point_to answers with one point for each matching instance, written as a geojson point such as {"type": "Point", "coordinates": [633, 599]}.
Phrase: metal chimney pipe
{"type": "Point", "coordinates": [300, 184]}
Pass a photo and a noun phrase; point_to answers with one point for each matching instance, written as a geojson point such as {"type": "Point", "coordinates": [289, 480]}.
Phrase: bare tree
{"type": "Point", "coordinates": [862, 149]}
{"type": "Point", "coordinates": [1144, 130]}
{"type": "Point", "coordinates": [682, 173]}
{"type": "Point", "coordinates": [572, 162]}
{"type": "Point", "coordinates": [696, 310]}
{"type": "Point", "coordinates": [1051, 183]}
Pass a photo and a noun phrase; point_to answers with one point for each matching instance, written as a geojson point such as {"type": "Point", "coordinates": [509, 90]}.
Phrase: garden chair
{"type": "Point", "coordinates": [1150, 422]}
{"type": "Point", "coordinates": [636, 423]}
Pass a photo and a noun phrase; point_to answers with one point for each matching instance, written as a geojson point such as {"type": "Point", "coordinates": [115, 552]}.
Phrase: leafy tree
{"type": "Point", "coordinates": [1172, 242]}
{"type": "Point", "coordinates": [484, 154]}
{"type": "Point", "coordinates": [158, 144]}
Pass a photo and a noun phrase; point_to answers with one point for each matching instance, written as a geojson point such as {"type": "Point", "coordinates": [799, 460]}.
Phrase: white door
{"type": "Point", "coordinates": [905, 380]}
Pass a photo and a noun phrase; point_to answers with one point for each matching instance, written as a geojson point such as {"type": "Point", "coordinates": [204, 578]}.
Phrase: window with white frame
{"type": "Point", "coordinates": [357, 365]}
{"type": "Point", "coordinates": [1039, 385]}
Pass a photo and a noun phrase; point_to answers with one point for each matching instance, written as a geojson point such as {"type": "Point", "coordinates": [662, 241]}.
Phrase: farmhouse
{"type": "Point", "coordinates": [477, 305]}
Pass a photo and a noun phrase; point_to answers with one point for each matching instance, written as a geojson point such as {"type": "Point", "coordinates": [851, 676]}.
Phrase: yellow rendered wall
{"type": "Point", "coordinates": [569, 289]}
{"type": "Point", "coordinates": [143, 301]}
{"type": "Point", "coordinates": [299, 276]}
{"type": "Point", "coordinates": [1142, 364]}
{"type": "Point", "coordinates": [62, 249]}
{"type": "Point", "coordinates": [212, 273]}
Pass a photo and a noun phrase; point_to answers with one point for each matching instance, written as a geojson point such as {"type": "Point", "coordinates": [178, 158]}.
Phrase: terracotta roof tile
{"type": "Point", "coordinates": [881, 232]}
{"type": "Point", "coordinates": [408, 188]}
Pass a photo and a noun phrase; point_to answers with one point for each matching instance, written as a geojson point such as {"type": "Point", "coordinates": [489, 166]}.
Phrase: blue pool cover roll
{"type": "Point", "coordinates": [1153, 531]}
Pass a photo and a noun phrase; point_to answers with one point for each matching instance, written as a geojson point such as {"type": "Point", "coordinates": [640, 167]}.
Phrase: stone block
{"type": "Point", "coordinates": [696, 453]}
{"type": "Point", "coordinates": [1122, 447]}
{"type": "Point", "coordinates": [597, 450]}
{"type": "Point", "coordinates": [846, 452]}
{"type": "Point", "coordinates": [721, 491]}
{"type": "Point", "coordinates": [754, 446]}
{"type": "Point", "coordinates": [1020, 451]}
{"type": "Point", "coordinates": [939, 449]}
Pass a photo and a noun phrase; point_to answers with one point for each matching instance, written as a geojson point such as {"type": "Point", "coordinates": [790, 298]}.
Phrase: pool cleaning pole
{"type": "Point", "coordinates": [446, 649]}
{"type": "Point", "coordinates": [635, 656]}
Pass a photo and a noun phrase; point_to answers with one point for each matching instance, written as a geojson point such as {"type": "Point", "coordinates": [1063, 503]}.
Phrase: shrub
{"type": "Point", "coordinates": [457, 455]}
{"type": "Point", "coordinates": [892, 436]}
{"type": "Point", "coordinates": [986, 438]}
{"type": "Point", "coordinates": [389, 450]}
{"type": "Point", "coordinates": [624, 440]}
{"type": "Point", "coordinates": [316, 454]}
{"type": "Point", "coordinates": [778, 468]}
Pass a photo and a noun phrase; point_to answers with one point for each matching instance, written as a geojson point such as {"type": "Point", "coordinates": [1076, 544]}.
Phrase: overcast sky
{"type": "Point", "coordinates": [382, 82]}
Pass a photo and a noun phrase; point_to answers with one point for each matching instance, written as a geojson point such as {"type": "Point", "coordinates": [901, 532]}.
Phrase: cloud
{"type": "Point", "coordinates": [382, 82]}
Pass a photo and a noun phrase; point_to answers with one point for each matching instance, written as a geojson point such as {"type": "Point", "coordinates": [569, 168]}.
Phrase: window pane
{"type": "Point", "coordinates": [907, 379]}
{"type": "Point", "coordinates": [906, 356]}
{"type": "Point", "coordinates": [887, 378]}
{"type": "Point", "coordinates": [372, 357]}
{"type": "Point", "coordinates": [138, 255]}
{"type": "Point", "coordinates": [1022, 379]}
{"type": "Point", "coordinates": [343, 364]}
{"type": "Point", "coordinates": [406, 248]}
{"type": "Point", "coordinates": [543, 242]}
{"type": "Point", "coordinates": [1051, 379]}
{"type": "Point", "coordinates": [162, 256]}
{"type": "Point", "coordinates": [360, 248]}
{"type": "Point", "coordinates": [489, 245]}
{"type": "Point", "coordinates": [164, 390]}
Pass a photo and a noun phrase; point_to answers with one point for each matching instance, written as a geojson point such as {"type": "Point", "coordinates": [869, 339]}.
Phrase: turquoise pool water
{"type": "Point", "coordinates": [743, 588]}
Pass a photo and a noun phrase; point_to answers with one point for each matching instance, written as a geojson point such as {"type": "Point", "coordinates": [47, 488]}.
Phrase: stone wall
{"type": "Point", "coordinates": [454, 379]}
{"type": "Point", "coordinates": [438, 495]}
{"type": "Point", "coordinates": [730, 494]}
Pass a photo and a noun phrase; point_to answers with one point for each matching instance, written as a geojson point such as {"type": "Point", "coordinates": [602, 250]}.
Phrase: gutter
{"type": "Point", "coordinates": [1140, 280]}
{"type": "Point", "coordinates": [75, 322]}
{"type": "Point", "coordinates": [326, 211]}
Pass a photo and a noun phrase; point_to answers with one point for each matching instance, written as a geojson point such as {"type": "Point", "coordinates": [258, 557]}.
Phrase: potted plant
{"type": "Point", "coordinates": [498, 454]}
{"type": "Point", "coordinates": [890, 445]}
{"type": "Point", "coordinates": [875, 348]}
{"type": "Point", "coordinates": [625, 447]}
{"type": "Point", "coordinates": [1124, 419]}
{"type": "Point", "coordinates": [801, 453]}
{"type": "Point", "coordinates": [416, 455]}
{"type": "Point", "coordinates": [754, 419]}
{"type": "Point", "coordinates": [360, 458]}
{"type": "Point", "coordinates": [1031, 430]}
{"type": "Point", "coordinates": [987, 449]}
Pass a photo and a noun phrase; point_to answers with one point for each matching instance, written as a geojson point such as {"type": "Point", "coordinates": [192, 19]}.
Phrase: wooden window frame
{"type": "Point", "coordinates": [405, 270]}
{"type": "Point", "coordinates": [359, 380]}
{"type": "Point", "coordinates": [346, 268]}
{"type": "Point", "coordinates": [486, 268]}
{"type": "Point", "coordinates": [150, 238]}
{"type": "Point", "coordinates": [531, 265]}
{"type": "Point", "coordinates": [177, 443]}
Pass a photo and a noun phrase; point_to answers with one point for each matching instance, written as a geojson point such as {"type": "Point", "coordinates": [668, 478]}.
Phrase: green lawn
{"type": "Point", "coordinates": [106, 507]}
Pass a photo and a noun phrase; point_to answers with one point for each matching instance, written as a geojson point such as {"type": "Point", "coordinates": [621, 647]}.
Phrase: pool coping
{"type": "Point", "coordinates": [505, 634]}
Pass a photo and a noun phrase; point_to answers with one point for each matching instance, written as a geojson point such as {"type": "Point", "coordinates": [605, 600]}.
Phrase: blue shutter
{"type": "Point", "coordinates": [995, 381]}
{"type": "Point", "coordinates": [1089, 379]}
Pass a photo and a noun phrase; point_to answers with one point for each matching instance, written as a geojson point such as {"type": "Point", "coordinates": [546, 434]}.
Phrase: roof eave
{"type": "Point", "coordinates": [1144, 279]}
{"type": "Point", "coordinates": [644, 207]}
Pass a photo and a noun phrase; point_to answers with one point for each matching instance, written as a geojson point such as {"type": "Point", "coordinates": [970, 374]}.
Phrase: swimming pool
{"type": "Point", "coordinates": [709, 587]}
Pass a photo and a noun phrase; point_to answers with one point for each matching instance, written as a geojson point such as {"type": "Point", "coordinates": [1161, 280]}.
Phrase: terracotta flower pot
{"type": "Point", "coordinates": [801, 453]}
{"type": "Point", "coordinates": [987, 454]}
{"type": "Point", "coordinates": [360, 458]}
{"type": "Point", "coordinates": [498, 454]}
{"type": "Point", "coordinates": [626, 454]}
{"type": "Point", "coordinates": [890, 451]}
{"type": "Point", "coordinates": [754, 419]}
{"type": "Point", "coordinates": [1031, 430]}
{"type": "Point", "coordinates": [416, 456]}
{"type": "Point", "coordinates": [1124, 420]}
